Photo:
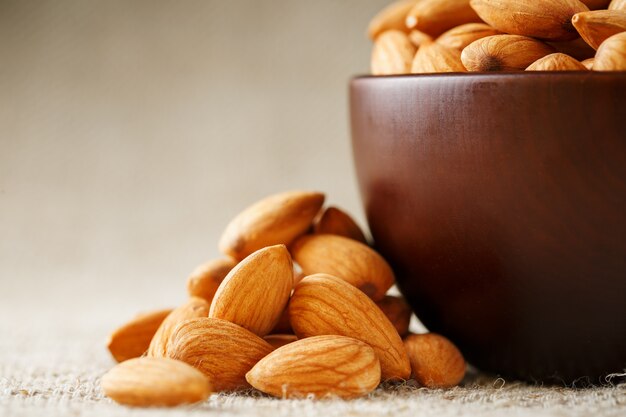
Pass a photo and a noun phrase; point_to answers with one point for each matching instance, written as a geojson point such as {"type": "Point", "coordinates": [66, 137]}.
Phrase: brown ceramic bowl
{"type": "Point", "coordinates": [500, 201]}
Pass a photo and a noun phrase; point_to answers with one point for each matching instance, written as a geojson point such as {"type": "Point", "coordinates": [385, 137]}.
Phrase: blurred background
{"type": "Point", "coordinates": [132, 131]}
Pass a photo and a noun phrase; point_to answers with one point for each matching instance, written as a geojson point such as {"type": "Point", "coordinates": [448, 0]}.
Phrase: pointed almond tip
{"type": "Point", "coordinates": [411, 22]}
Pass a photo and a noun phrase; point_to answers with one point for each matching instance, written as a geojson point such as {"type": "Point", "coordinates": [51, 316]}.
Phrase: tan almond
{"type": "Point", "coordinates": [503, 53]}
{"type": "Point", "coordinates": [435, 361]}
{"type": "Point", "coordinates": [577, 48]}
{"type": "Point", "coordinates": [461, 36]}
{"type": "Point", "coordinates": [152, 382]}
{"type": "Point", "coordinates": [436, 16]}
{"type": "Point", "coordinates": [206, 278]}
{"type": "Point", "coordinates": [335, 221]}
{"type": "Point", "coordinates": [556, 62]}
{"type": "Point", "coordinates": [544, 19]}
{"type": "Point", "coordinates": [391, 17]}
{"type": "Point", "coordinates": [323, 366]}
{"type": "Point", "coordinates": [596, 4]}
{"type": "Point", "coordinates": [392, 53]}
{"type": "Point", "coordinates": [418, 38]}
{"type": "Point", "coordinates": [133, 338]}
{"type": "Point", "coordinates": [193, 308]}
{"type": "Point", "coordinates": [611, 55]}
{"type": "Point", "coordinates": [618, 5]}
{"type": "Point", "coordinates": [223, 351]}
{"type": "Point", "coordinates": [255, 292]}
{"type": "Point", "coordinates": [323, 304]}
{"type": "Point", "coordinates": [588, 63]}
{"type": "Point", "coordinates": [433, 57]}
{"type": "Point", "coordinates": [398, 312]}
{"type": "Point", "coordinates": [277, 219]}
{"type": "Point", "coordinates": [280, 340]}
{"type": "Point", "coordinates": [597, 26]}
{"type": "Point", "coordinates": [347, 259]}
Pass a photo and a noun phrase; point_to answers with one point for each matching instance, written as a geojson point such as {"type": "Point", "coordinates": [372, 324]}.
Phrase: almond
{"type": "Point", "coordinates": [335, 221]}
{"type": "Point", "coordinates": [390, 18]}
{"type": "Point", "coordinates": [392, 53]}
{"type": "Point", "coordinates": [503, 53]}
{"type": "Point", "coordinates": [595, 27]}
{"type": "Point", "coordinates": [280, 340]}
{"type": "Point", "coordinates": [206, 278]}
{"type": "Point", "coordinates": [596, 4]}
{"type": "Point", "coordinates": [155, 382]}
{"type": "Point", "coordinates": [326, 305]}
{"type": "Point", "coordinates": [461, 36]}
{"type": "Point", "coordinates": [256, 291]}
{"type": "Point", "coordinates": [611, 55]}
{"type": "Point", "coordinates": [545, 19]}
{"type": "Point", "coordinates": [434, 57]}
{"type": "Point", "coordinates": [436, 16]}
{"type": "Point", "coordinates": [347, 259]}
{"type": "Point", "coordinates": [323, 366]}
{"type": "Point", "coordinates": [194, 307]}
{"type": "Point", "coordinates": [418, 38]}
{"type": "Point", "coordinates": [588, 63]}
{"type": "Point", "coordinates": [577, 49]}
{"type": "Point", "coordinates": [556, 62]}
{"type": "Point", "coordinates": [618, 5]}
{"type": "Point", "coordinates": [223, 351]}
{"type": "Point", "coordinates": [277, 219]}
{"type": "Point", "coordinates": [133, 338]}
{"type": "Point", "coordinates": [397, 311]}
{"type": "Point", "coordinates": [435, 361]}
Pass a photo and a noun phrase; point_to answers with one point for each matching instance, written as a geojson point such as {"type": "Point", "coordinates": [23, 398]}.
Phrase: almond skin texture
{"type": "Point", "coordinates": [544, 19]}
{"type": "Point", "coordinates": [223, 351]}
{"type": "Point", "coordinates": [280, 340]}
{"type": "Point", "coordinates": [397, 311]}
{"type": "Point", "coordinates": [588, 63]}
{"type": "Point", "coordinates": [277, 219]}
{"type": "Point", "coordinates": [392, 53]}
{"type": "Point", "coordinates": [597, 26]}
{"type": "Point", "coordinates": [433, 57]}
{"type": "Point", "coordinates": [436, 16]}
{"type": "Point", "coordinates": [206, 278]}
{"type": "Point", "coordinates": [618, 5]}
{"type": "Point", "coordinates": [152, 382]}
{"type": "Point", "coordinates": [435, 361]}
{"type": "Point", "coordinates": [284, 325]}
{"type": "Point", "coordinates": [133, 338]}
{"type": "Point", "coordinates": [193, 308]}
{"type": "Point", "coordinates": [335, 221]}
{"type": "Point", "coordinates": [255, 293]}
{"type": "Point", "coordinates": [325, 366]}
{"type": "Point", "coordinates": [418, 38]}
{"type": "Point", "coordinates": [461, 36]}
{"type": "Point", "coordinates": [325, 305]}
{"type": "Point", "coordinates": [556, 62]}
{"type": "Point", "coordinates": [347, 259]}
{"type": "Point", "coordinates": [503, 53]}
{"type": "Point", "coordinates": [611, 55]}
{"type": "Point", "coordinates": [390, 18]}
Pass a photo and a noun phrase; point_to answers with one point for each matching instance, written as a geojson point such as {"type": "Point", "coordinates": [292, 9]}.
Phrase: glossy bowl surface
{"type": "Point", "coordinates": [500, 201]}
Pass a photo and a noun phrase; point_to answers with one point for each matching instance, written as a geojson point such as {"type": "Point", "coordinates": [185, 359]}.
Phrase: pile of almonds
{"type": "Point", "coordinates": [324, 327]}
{"type": "Point", "coordinates": [434, 36]}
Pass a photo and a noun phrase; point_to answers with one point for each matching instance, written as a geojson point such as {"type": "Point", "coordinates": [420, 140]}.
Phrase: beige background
{"type": "Point", "coordinates": [131, 131]}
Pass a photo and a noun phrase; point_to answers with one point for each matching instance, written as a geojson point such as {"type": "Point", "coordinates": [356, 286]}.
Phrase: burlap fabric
{"type": "Point", "coordinates": [55, 371]}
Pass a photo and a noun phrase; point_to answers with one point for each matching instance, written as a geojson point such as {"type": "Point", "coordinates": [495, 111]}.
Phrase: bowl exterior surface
{"type": "Point", "coordinates": [500, 201]}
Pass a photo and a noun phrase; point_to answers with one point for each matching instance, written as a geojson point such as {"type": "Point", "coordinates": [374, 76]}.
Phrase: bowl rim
{"type": "Point", "coordinates": [508, 74]}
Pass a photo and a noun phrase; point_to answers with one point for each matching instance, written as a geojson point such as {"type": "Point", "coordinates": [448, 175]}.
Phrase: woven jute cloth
{"type": "Point", "coordinates": [56, 371]}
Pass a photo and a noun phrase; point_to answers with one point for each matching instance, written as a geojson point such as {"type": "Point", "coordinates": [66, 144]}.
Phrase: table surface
{"type": "Point", "coordinates": [55, 369]}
